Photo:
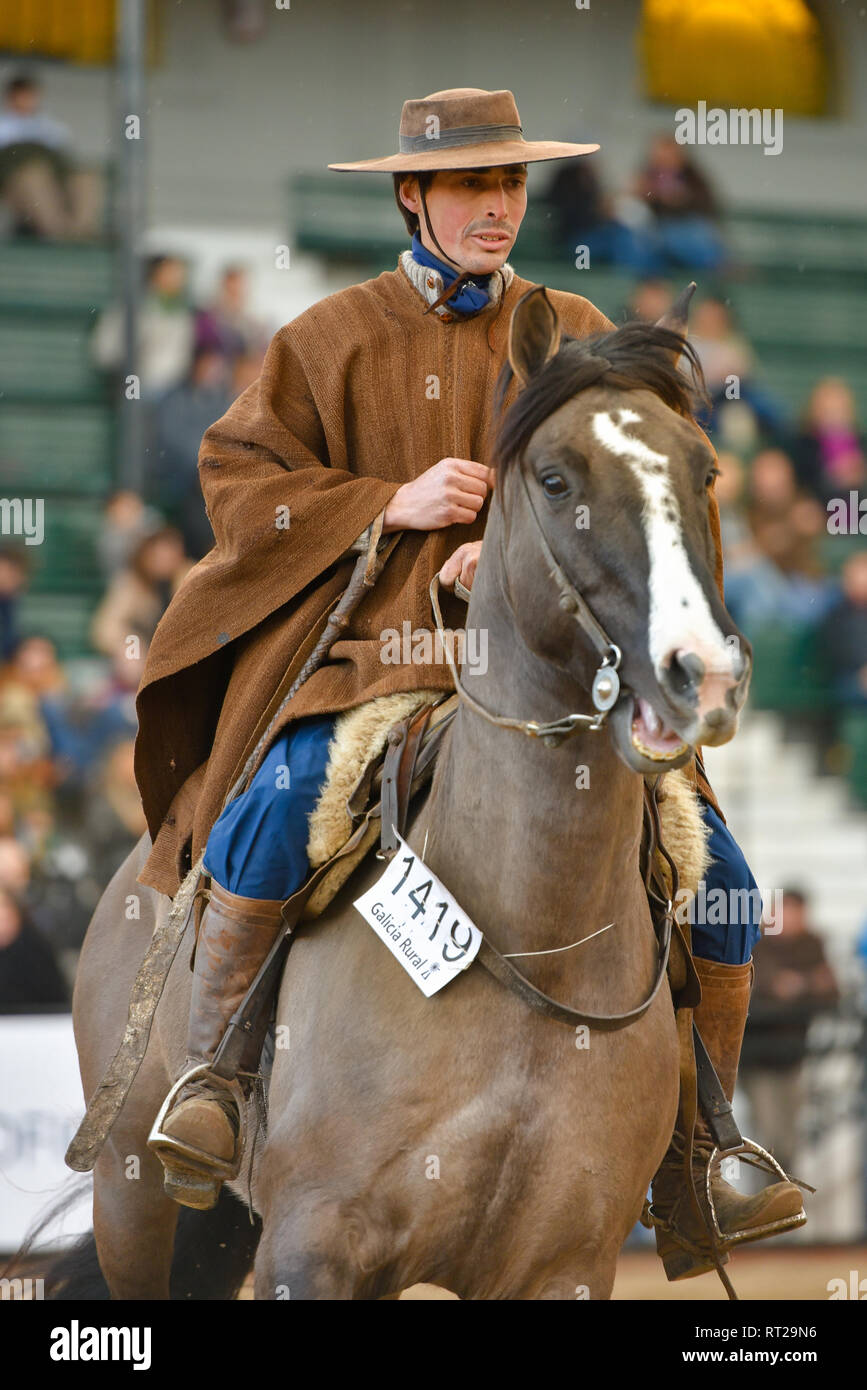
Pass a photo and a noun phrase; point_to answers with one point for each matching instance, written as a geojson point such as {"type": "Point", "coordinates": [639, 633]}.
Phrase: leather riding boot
{"type": "Point", "coordinates": [682, 1239]}
{"type": "Point", "coordinates": [203, 1124]}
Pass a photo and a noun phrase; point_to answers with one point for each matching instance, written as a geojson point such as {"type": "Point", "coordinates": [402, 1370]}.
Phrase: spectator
{"type": "Point", "coordinates": [36, 706]}
{"type": "Point", "coordinates": [585, 217]}
{"type": "Point", "coordinates": [845, 635]}
{"type": "Point", "coordinates": [30, 977]}
{"type": "Point", "coordinates": [729, 364]}
{"type": "Point", "coordinates": [785, 522]}
{"type": "Point", "coordinates": [166, 330]}
{"type": "Point", "coordinates": [793, 983]}
{"type": "Point", "coordinates": [49, 193]}
{"type": "Point", "coordinates": [126, 521]}
{"type": "Point", "coordinates": [139, 595]}
{"type": "Point", "coordinates": [830, 452]}
{"type": "Point", "coordinates": [681, 229]}
{"type": "Point", "coordinates": [14, 867]}
{"type": "Point", "coordinates": [80, 732]}
{"type": "Point", "coordinates": [650, 299]}
{"type": "Point", "coordinates": [13, 578]}
{"type": "Point", "coordinates": [182, 417]}
{"type": "Point", "coordinates": [226, 326]}
{"type": "Point", "coordinates": [776, 576]}
{"type": "Point", "coordinates": [32, 673]}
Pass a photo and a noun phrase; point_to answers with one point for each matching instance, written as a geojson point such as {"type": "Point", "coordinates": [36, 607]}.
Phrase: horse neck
{"type": "Point", "coordinates": [547, 863]}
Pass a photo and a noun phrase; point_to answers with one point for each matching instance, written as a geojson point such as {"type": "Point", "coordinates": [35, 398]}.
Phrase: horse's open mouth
{"type": "Point", "coordinates": [651, 737]}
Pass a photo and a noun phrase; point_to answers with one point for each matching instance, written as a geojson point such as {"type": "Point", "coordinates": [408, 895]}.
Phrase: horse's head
{"type": "Point", "coordinates": [619, 478]}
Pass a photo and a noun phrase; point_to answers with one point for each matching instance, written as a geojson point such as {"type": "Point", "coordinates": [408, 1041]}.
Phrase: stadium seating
{"type": "Point", "coordinates": [57, 426]}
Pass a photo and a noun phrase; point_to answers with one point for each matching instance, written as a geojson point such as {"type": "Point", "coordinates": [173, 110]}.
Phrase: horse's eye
{"type": "Point", "coordinates": [554, 485]}
{"type": "Point", "coordinates": [714, 473]}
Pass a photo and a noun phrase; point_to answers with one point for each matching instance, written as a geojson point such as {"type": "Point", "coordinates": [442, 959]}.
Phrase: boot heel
{"type": "Point", "coordinates": [194, 1177]}
{"type": "Point", "coordinates": [679, 1262]}
{"type": "Point", "coordinates": [197, 1190]}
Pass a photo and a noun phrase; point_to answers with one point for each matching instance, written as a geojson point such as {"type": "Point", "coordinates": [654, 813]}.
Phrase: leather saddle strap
{"type": "Point", "coordinates": [397, 777]}
{"type": "Point", "coordinates": [715, 1105]}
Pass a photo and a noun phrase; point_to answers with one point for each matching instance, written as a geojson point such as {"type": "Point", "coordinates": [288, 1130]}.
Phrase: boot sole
{"type": "Point", "coordinates": [680, 1263]}
{"type": "Point", "coordinates": [196, 1190]}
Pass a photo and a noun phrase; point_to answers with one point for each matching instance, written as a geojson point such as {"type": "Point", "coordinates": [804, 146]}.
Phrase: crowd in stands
{"type": "Point", "coordinates": [69, 805]}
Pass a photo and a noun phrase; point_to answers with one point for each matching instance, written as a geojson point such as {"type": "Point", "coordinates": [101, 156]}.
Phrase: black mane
{"type": "Point", "coordinates": [641, 357]}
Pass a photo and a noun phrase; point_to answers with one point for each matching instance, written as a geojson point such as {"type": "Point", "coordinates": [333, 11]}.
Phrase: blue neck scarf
{"type": "Point", "coordinates": [471, 297]}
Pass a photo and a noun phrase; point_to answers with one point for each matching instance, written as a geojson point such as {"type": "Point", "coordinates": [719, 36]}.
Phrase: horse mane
{"type": "Point", "coordinates": [637, 356]}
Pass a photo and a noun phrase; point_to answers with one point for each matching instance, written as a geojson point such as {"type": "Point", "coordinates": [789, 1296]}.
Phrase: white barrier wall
{"type": "Point", "coordinates": [41, 1104]}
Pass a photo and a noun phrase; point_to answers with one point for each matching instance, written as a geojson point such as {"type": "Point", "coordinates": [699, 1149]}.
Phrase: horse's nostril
{"type": "Point", "coordinates": [686, 671]}
{"type": "Point", "coordinates": [716, 718]}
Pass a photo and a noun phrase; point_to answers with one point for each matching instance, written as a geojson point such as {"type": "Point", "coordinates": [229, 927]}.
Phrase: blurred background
{"type": "Point", "coordinates": [165, 207]}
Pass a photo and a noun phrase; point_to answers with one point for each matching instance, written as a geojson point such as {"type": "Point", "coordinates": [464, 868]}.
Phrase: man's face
{"type": "Point", "coordinates": [475, 213]}
{"type": "Point", "coordinates": [24, 101]}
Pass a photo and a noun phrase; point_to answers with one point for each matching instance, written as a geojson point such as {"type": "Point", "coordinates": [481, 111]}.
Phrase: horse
{"type": "Point", "coordinates": [465, 1140]}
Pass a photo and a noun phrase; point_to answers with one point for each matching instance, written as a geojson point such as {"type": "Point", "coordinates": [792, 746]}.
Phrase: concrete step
{"type": "Point", "coordinates": [795, 828]}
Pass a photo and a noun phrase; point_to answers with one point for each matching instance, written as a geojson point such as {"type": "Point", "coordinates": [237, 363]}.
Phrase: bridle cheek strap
{"type": "Point", "coordinates": [606, 682]}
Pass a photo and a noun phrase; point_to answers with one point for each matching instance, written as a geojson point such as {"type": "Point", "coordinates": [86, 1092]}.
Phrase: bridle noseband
{"type": "Point", "coordinates": [606, 682]}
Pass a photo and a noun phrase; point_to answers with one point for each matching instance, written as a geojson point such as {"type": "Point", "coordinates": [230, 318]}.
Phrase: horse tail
{"type": "Point", "coordinates": [213, 1254]}
{"type": "Point", "coordinates": [214, 1250]}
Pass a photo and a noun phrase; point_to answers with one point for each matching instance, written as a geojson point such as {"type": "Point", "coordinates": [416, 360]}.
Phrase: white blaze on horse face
{"type": "Point", "coordinates": [680, 616]}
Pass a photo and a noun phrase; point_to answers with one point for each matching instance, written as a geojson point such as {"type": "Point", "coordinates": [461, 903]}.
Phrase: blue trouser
{"type": "Point", "coordinates": [258, 847]}
{"type": "Point", "coordinates": [729, 928]}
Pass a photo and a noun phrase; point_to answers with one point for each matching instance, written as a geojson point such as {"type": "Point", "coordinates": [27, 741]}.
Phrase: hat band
{"type": "Point", "coordinates": [459, 135]}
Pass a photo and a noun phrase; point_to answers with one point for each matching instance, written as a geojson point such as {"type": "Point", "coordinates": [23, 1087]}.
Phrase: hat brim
{"type": "Point", "coordinates": [482, 156]}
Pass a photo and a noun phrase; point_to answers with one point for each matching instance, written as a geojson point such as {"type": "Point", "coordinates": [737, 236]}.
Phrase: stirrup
{"type": "Point", "coordinates": [760, 1158]}
{"type": "Point", "coordinates": [193, 1176]}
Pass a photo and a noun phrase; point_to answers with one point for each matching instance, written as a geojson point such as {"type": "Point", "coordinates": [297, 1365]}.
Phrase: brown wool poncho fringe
{"type": "Point", "coordinates": [358, 395]}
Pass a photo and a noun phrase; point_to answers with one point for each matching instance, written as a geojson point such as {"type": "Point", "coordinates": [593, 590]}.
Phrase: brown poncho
{"type": "Point", "coordinates": [358, 395]}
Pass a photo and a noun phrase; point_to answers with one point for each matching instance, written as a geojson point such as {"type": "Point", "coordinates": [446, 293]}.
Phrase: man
{"type": "Point", "coordinates": [49, 195]}
{"type": "Point", "coordinates": [794, 984]}
{"type": "Point", "coordinates": [374, 405]}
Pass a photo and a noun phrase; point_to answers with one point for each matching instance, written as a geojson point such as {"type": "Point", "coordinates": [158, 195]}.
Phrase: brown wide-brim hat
{"type": "Point", "coordinates": [463, 128]}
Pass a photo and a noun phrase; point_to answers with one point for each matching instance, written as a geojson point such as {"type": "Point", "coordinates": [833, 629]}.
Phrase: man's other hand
{"type": "Point", "coordinates": [451, 491]}
{"type": "Point", "coordinates": [461, 565]}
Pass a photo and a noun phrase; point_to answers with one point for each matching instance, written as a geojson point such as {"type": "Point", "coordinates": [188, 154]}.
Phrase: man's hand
{"type": "Point", "coordinates": [461, 565]}
{"type": "Point", "coordinates": [451, 491]}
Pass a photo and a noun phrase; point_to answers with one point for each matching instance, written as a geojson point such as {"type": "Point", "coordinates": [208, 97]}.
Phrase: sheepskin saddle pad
{"type": "Point", "coordinates": [360, 736]}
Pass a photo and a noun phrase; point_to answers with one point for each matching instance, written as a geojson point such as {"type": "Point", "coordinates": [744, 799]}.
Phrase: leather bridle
{"type": "Point", "coordinates": [605, 689]}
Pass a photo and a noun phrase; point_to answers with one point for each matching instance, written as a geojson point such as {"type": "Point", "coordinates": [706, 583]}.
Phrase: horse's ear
{"type": "Point", "coordinates": [677, 317]}
{"type": "Point", "coordinates": [534, 334]}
